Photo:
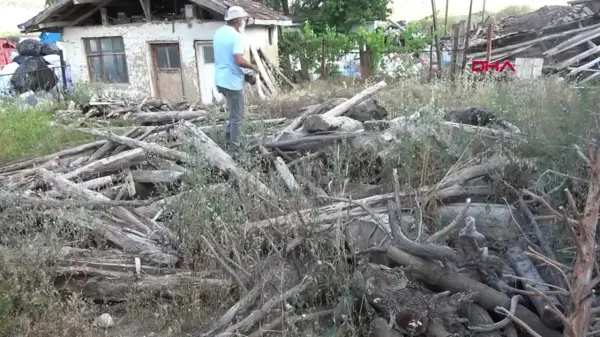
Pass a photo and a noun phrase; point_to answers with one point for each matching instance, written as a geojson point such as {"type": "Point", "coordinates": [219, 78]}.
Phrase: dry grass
{"type": "Point", "coordinates": [553, 115]}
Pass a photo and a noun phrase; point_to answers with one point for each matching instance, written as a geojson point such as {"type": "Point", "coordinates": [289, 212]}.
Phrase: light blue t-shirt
{"type": "Point", "coordinates": [227, 42]}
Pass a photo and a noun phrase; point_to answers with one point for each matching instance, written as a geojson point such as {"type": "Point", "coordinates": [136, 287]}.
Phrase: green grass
{"type": "Point", "coordinates": [29, 132]}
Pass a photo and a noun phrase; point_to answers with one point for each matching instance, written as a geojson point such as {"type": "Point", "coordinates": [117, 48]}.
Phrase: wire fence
{"type": "Point", "coordinates": [52, 79]}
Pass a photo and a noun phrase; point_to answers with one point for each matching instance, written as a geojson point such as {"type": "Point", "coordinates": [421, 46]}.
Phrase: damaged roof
{"type": "Point", "coordinates": [544, 17]}
{"type": "Point", "coordinates": [256, 11]}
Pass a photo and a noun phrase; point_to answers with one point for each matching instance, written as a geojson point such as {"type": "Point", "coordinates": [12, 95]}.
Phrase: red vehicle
{"type": "Point", "coordinates": [8, 50]}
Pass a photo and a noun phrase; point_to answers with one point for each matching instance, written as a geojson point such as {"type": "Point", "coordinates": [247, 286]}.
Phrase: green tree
{"type": "Point", "coordinates": [340, 14]}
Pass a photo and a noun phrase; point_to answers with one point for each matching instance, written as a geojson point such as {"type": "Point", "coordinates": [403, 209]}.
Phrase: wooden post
{"type": "Point", "coordinates": [483, 13]}
{"type": "Point", "coordinates": [436, 38]}
{"type": "Point", "coordinates": [323, 59]}
{"type": "Point", "coordinates": [464, 61]}
{"type": "Point", "coordinates": [104, 16]}
{"type": "Point", "coordinates": [455, 51]}
{"type": "Point", "coordinates": [430, 77]}
{"type": "Point", "coordinates": [446, 19]}
{"type": "Point", "coordinates": [488, 49]}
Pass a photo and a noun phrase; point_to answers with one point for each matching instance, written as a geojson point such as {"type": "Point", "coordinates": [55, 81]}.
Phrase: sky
{"type": "Point", "coordinates": [15, 12]}
{"type": "Point", "coordinates": [417, 9]}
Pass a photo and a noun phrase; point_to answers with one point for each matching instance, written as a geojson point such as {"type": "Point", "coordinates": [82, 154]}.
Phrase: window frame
{"type": "Point", "coordinates": [154, 48]}
{"type": "Point", "coordinates": [100, 54]}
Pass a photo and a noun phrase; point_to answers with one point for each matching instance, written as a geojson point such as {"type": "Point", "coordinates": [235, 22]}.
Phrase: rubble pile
{"type": "Point", "coordinates": [405, 275]}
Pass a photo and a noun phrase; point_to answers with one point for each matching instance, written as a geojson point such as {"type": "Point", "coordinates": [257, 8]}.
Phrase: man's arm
{"type": "Point", "coordinates": [238, 55]}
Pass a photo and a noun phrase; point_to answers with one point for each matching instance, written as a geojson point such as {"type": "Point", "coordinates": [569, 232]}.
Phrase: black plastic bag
{"type": "Point", "coordinates": [19, 59]}
{"type": "Point", "coordinates": [35, 75]}
{"type": "Point", "coordinates": [50, 49]}
{"type": "Point", "coordinates": [29, 47]}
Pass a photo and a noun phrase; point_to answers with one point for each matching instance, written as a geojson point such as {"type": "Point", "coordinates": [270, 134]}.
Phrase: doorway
{"type": "Point", "coordinates": [205, 57]}
{"type": "Point", "coordinates": [168, 81]}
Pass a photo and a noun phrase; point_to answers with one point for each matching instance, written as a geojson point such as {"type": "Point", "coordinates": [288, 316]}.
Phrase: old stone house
{"type": "Point", "coordinates": [155, 48]}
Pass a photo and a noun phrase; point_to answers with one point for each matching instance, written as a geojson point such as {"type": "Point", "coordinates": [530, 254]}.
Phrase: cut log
{"type": "Point", "coordinates": [493, 221]}
{"type": "Point", "coordinates": [286, 175]}
{"type": "Point", "coordinates": [105, 286]}
{"type": "Point", "coordinates": [402, 302]}
{"type": "Point", "coordinates": [478, 316]}
{"type": "Point", "coordinates": [319, 123]}
{"type": "Point", "coordinates": [305, 112]}
{"type": "Point", "coordinates": [108, 147]}
{"type": "Point", "coordinates": [60, 154]}
{"type": "Point", "coordinates": [487, 297]}
{"type": "Point", "coordinates": [114, 163]}
{"type": "Point", "coordinates": [169, 116]}
{"type": "Point", "coordinates": [156, 176]}
{"type": "Point", "coordinates": [223, 162]}
{"type": "Point", "coordinates": [367, 110]}
{"type": "Point", "coordinates": [363, 95]}
{"type": "Point", "coordinates": [525, 268]}
{"type": "Point", "coordinates": [73, 190]}
{"type": "Point", "coordinates": [129, 241]}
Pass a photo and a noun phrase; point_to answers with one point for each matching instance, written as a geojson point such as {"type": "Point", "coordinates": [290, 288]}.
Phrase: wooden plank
{"type": "Point", "coordinates": [584, 67]}
{"type": "Point", "coordinates": [528, 68]}
{"type": "Point", "coordinates": [538, 40]}
{"type": "Point", "coordinates": [213, 5]}
{"type": "Point", "coordinates": [104, 16]}
{"type": "Point", "coordinates": [589, 78]}
{"type": "Point", "coordinates": [95, 10]}
{"type": "Point", "coordinates": [577, 58]}
{"type": "Point", "coordinates": [276, 69]}
{"type": "Point", "coordinates": [54, 24]}
{"type": "Point", "coordinates": [574, 41]}
{"type": "Point", "coordinates": [146, 10]}
{"type": "Point", "coordinates": [262, 70]}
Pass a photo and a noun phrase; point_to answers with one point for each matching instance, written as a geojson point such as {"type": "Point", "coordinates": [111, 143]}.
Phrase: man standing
{"type": "Point", "coordinates": [229, 77]}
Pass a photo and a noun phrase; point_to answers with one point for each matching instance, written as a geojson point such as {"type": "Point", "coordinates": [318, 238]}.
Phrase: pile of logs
{"type": "Point", "coordinates": [404, 277]}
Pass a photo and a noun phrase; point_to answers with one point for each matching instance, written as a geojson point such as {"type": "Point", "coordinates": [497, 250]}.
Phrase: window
{"type": "Point", "coordinates": [167, 56]}
{"type": "Point", "coordinates": [106, 60]}
{"type": "Point", "coordinates": [209, 54]}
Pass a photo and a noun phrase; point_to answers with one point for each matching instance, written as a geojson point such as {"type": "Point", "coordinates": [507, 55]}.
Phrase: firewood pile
{"type": "Point", "coordinates": [404, 277]}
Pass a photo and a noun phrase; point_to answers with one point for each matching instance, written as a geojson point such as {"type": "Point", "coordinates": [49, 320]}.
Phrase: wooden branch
{"type": "Point", "coordinates": [243, 304]}
{"type": "Point", "coordinates": [361, 96]}
{"type": "Point", "coordinates": [169, 116]}
{"type": "Point", "coordinates": [283, 320]}
{"type": "Point", "coordinates": [224, 265]}
{"type": "Point", "coordinates": [223, 162]}
{"type": "Point", "coordinates": [156, 176]}
{"type": "Point", "coordinates": [446, 279]}
{"type": "Point", "coordinates": [525, 268]}
{"type": "Point", "coordinates": [61, 154]}
{"type": "Point", "coordinates": [247, 323]}
{"type": "Point", "coordinates": [114, 163]}
{"type": "Point", "coordinates": [514, 302]}
{"type": "Point", "coordinates": [583, 267]}
{"type": "Point", "coordinates": [452, 226]}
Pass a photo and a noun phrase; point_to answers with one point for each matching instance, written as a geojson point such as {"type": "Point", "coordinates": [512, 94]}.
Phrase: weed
{"type": "Point", "coordinates": [30, 131]}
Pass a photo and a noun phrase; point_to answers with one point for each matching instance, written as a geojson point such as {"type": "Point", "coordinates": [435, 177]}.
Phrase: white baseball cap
{"type": "Point", "coordinates": [235, 12]}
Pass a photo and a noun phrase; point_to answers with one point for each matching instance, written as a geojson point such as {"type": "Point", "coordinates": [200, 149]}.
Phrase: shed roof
{"type": "Point", "coordinates": [260, 13]}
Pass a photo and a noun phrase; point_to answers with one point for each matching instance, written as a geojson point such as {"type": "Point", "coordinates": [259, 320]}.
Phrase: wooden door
{"type": "Point", "coordinates": [168, 80]}
{"type": "Point", "coordinates": [205, 57]}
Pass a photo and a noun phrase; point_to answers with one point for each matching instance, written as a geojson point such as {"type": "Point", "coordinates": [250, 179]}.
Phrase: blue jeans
{"type": "Point", "coordinates": [235, 105]}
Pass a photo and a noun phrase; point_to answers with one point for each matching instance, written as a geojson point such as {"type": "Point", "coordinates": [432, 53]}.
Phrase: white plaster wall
{"type": "Point", "coordinates": [137, 38]}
